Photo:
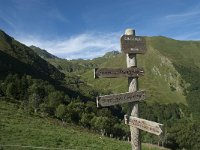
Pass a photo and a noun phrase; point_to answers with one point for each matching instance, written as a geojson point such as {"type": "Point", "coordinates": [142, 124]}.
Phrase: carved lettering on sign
{"type": "Point", "coordinates": [114, 99]}
{"type": "Point", "coordinates": [118, 72]}
{"type": "Point", "coordinates": [146, 125]}
{"type": "Point", "coordinates": [133, 44]}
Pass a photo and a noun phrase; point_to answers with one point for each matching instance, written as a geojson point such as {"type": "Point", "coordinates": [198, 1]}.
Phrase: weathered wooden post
{"type": "Point", "coordinates": [130, 45]}
{"type": "Point", "coordinates": [133, 106]}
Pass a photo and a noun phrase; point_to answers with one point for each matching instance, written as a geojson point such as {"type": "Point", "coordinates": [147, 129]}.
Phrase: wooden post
{"type": "Point", "coordinates": [130, 45]}
{"type": "Point", "coordinates": [133, 106]}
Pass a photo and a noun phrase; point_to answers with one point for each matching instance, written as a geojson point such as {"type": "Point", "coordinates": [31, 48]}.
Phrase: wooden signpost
{"type": "Point", "coordinates": [133, 44]}
{"type": "Point", "coordinates": [114, 99]}
{"type": "Point", "coordinates": [146, 125]}
{"type": "Point", "coordinates": [130, 45]}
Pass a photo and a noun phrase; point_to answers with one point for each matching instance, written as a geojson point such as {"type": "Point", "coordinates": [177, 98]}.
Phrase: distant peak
{"type": "Point", "coordinates": [42, 52]}
{"type": "Point", "coordinates": [111, 53]}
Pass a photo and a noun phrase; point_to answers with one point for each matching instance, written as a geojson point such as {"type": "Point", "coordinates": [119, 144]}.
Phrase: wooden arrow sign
{"type": "Point", "coordinates": [118, 72]}
{"type": "Point", "coordinates": [114, 99]}
{"type": "Point", "coordinates": [133, 44]}
{"type": "Point", "coordinates": [146, 125]}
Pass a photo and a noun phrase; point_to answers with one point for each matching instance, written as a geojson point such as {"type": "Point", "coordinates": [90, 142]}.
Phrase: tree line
{"type": "Point", "coordinates": [39, 96]}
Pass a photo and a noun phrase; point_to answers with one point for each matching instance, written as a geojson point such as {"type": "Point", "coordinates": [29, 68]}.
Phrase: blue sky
{"type": "Point", "coordinates": [89, 28]}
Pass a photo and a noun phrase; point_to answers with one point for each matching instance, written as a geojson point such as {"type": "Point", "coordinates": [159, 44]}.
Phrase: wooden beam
{"type": "Point", "coordinates": [114, 99]}
{"type": "Point", "coordinates": [146, 125]}
{"type": "Point", "coordinates": [118, 72]}
{"type": "Point", "coordinates": [133, 44]}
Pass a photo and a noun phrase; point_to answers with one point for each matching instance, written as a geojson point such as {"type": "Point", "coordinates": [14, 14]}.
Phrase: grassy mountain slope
{"type": "Point", "coordinates": [166, 81]}
{"type": "Point", "coordinates": [18, 58]}
{"type": "Point", "coordinates": [74, 66]}
{"type": "Point", "coordinates": [185, 53]}
{"type": "Point", "coordinates": [161, 80]}
{"type": "Point", "coordinates": [79, 66]}
{"type": "Point", "coordinates": [171, 66]}
{"type": "Point", "coordinates": [42, 53]}
{"type": "Point", "coordinates": [20, 130]}
{"type": "Point", "coordinates": [185, 57]}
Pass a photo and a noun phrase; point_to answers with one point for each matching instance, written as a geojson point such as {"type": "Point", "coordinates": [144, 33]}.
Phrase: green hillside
{"type": "Point", "coordinates": [162, 63]}
{"type": "Point", "coordinates": [79, 66]}
{"type": "Point", "coordinates": [179, 52]}
{"type": "Point", "coordinates": [21, 130]}
{"type": "Point", "coordinates": [65, 91]}
{"type": "Point", "coordinates": [18, 58]}
{"type": "Point", "coordinates": [184, 56]}
{"type": "Point", "coordinates": [161, 80]}
{"type": "Point", "coordinates": [172, 70]}
{"type": "Point", "coordinates": [42, 53]}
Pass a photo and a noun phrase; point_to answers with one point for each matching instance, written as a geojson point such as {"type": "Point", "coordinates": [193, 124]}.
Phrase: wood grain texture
{"type": "Point", "coordinates": [133, 107]}
{"type": "Point", "coordinates": [133, 44]}
{"type": "Point", "coordinates": [118, 72]}
{"type": "Point", "coordinates": [145, 125]}
{"type": "Point", "coordinates": [113, 99]}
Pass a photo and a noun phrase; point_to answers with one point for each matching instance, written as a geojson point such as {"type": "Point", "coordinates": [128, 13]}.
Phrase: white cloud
{"type": "Point", "coordinates": [185, 16]}
{"type": "Point", "coordinates": [56, 14]}
{"type": "Point", "coordinates": [182, 25]}
{"type": "Point", "coordinates": [86, 45]}
{"type": "Point", "coordinates": [7, 19]}
{"type": "Point", "coordinates": [189, 36]}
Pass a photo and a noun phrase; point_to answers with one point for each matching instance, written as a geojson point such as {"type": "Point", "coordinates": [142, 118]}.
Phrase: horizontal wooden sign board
{"type": "Point", "coordinates": [146, 125]}
{"type": "Point", "coordinates": [133, 44]}
{"type": "Point", "coordinates": [118, 72]}
{"type": "Point", "coordinates": [114, 99]}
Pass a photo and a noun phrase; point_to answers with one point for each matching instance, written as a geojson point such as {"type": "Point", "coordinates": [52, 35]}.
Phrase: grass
{"type": "Point", "coordinates": [181, 52]}
{"type": "Point", "coordinates": [20, 130]}
{"type": "Point", "coordinates": [161, 80]}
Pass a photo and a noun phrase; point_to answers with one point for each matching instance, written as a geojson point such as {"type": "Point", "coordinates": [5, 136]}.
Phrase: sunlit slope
{"type": "Point", "coordinates": [162, 81]}
{"type": "Point", "coordinates": [23, 131]}
{"type": "Point", "coordinates": [185, 53]}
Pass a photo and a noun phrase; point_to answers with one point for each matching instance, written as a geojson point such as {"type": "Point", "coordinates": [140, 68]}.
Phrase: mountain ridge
{"type": "Point", "coordinates": [171, 80]}
{"type": "Point", "coordinates": [23, 54]}
{"type": "Point", "coordinates": [17, 58]}
{"type": "Point", "coordinates": [160, 63]}
{"type": "Point", "coordinates": [42, 52]}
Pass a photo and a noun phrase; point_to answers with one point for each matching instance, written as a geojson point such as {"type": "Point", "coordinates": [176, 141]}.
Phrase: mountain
{"type": "Point", "coordinates": [111, 54]}
{"type": "Point", "coordinates": [18, 58]}
{"type": "Point", "coordinates": [36, 132]}
{"type": "Point", "coordinates": [79, 66]}
{"type": "Point", "coordinates": [42, 53]}
{"type": "Point", "coordinates": [163, 79]}
{"type": "Point", "coordinates": [66, 90]}
{"type": "Point", "coordinates": [172, 70]}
